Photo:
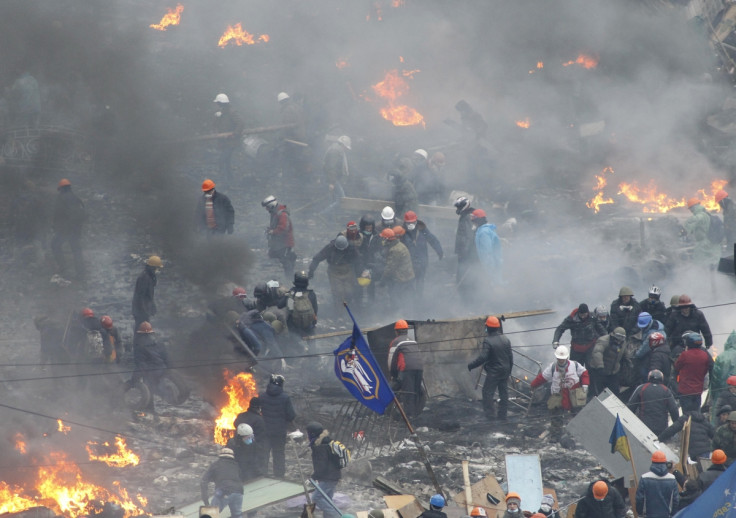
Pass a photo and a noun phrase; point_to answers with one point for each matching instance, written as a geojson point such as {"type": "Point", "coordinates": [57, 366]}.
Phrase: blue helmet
{"type": "Point", "coordinates": [437, 501]}
{"type": "Point", "coordinates": [644, 319]}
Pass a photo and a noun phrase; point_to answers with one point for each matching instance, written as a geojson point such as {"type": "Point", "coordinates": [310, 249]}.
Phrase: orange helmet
{"type": "Point", "coordinates": [692, 202]}
{"type": "Point", "coordinates": [718, 457]}
{"type": "Point", "coordinates": [720, 195]}
{"type": "Point", "coordinates": [684, 300]}
{"type": "Point", "coordinates": [86, 312]}
{"type": "Point", "coordinates": [387, 233]}
{"type": "Point", "coordinates": [63, 183]}
{"type": "Point", "coordinates": [511, 495]}
{"type": "Point", "coordinates": [478, 511]}
{"type": "Point", "coordinates": [731, 381]}
{"type": "Point", "coordinates": [659, 456]}
{"type": "Point", "coordinates": [145, 328]}
{"type": "Point", "coordinates": [411, 217]}
{"type": "Point", "coordinates": [401, 324]}
{"type": "Point", "coordinates": [478, 213]}
{"type": "Point", "coordinates": [208, 185]}
{"type": "Point", "coordinates": [106, 322]}
{"type": "Point", "coordinates": [493, 322]}
{"type": "Point", "coordinates": [399, 231]}
{"type": "Point", "coordinates": [600, 490]}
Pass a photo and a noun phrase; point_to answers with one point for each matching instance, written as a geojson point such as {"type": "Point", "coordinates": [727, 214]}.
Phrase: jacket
{"type": "Point", "coordinates": [657, 495]}
{"type": "Point", "coordinates": [277, 410]}
{"type": "Point", "coordinates": [339, 262]}
{"type": "Point", "coordinates": [692, 366]}
{"type": "Point", "coordinates": [151, 358]}
{"type": "Point", "coordinates": [496, 356]}
{"type": "Point", "coordinates": [652, 402]}
{"type": "Point", "coordinates": [465, 237]}
{"type": "Point", "coordinates": [324, 463]}
{"type": "Point", "coordinates": [416, 242]}
{"type": "Point", "coordinates": [574, 376]}
{"type": "Point", "coordinates": [625, 316]}
{"type": "Point", "coordinates": [404, 356]}
{"type": "Point", "coordinates": [434, 513]}
{"type": "Point", "coordinates": [405, 197]}
{"type": "Point", "coordinates": [656, 308]}
{"type": "Point", "coordinates": [583, 333]}
{"type": "Point", "coordinates": [725, 364]}
{"type": "Point", "coordinates": [489, 252]}
{"type": "Point", "coordinates": [398, 264]}
{"type": "Point", "coordinates": [281, 230]}
{"type": "Point", "coordinates": [144, 307]}
{"type": "Point", "coordinates": [697, 227]}
{"type": "Point", "coordinates": [606, 355]}
{"type": "Point", "coordinates": [223, 212]}
{"type": "Point", "coordinates": [612, 506]}
{"type": "Point", "coordinates": [250, 462]}
{"type": "Point", "coordinates": [725, 440]}
{"type": "Point", "coordinates": [701, 433]}
{"type": "Point", "coordinates": [678, 323]}
{"type": "Point", "coordinates": [660, 359]}
{"type": "Point", "coordinates": [229, 121]}
{"type": "Point", "coordinates": [707, 477]}
{"type": "Point", "coordinates": [729, 221]}
{"type": "Point", "coordinates": [225, 473]}
{"type": "Point", "coordinates": [335, 164]}
{"type": "Point", "coordinates": [69, 213]}
{"type": "Point", "coordinates": [371, 254]}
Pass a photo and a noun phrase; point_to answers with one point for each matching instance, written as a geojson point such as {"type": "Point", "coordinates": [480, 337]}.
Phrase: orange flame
{"type": "Point", "coordinates": [342, 63]}
{"type": "Point", "coordinates": [235, 34]}
{"type": "Point", "coordinates": [391, 89]}
{"type": "Point", "coordinates": [584, 61]}
{"type": "Point", "coordinates": [709, 200]}
{"type": "Point", "coordinates": [597, 201]}
{"type": "Point", "coordinates": [12, 501]}
{"type": "Point", "coordinates": [540, 66]}
{"type": "Point", "coordinates": [524, 123]}
{"type": "Point", "coordinates": [650, 197]}
{"type": "Point", "coordinates": [20, 443]}
{"type": "Point", "coordinates": [240, 388]}
{"type": "Point", "coordinates": [172, 17]}
{"type": "Point", "coordinates": [62, 427]}
{"type": "Point", "coordinates": [117, 457]}
{"type": "Point", "coordinates": [397, 3]}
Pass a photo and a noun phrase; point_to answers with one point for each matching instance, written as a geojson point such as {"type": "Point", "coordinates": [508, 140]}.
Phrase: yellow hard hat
{"type": "Point", "coordinates": [155, 261]}
{"type": "Point", "coordinates": [364, 281]}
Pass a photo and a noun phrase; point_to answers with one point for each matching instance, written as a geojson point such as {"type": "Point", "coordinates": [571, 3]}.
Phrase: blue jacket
{"type": "Point", "coordinates": [657, 495]}
{"type": "Point", "coordinates": [489, 250]}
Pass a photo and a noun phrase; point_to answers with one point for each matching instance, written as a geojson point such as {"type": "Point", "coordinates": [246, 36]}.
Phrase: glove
{"type": "Point", "coordinates": [470, 368]}
{"type": "Point", "coordinates": [555, 345]}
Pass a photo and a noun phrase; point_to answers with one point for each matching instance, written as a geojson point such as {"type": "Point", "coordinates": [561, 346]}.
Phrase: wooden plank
{"type": "Point", "coordinates": [478, 492]}
{"type": "Point", "coordinates": [398, 501]}
{"type": "Point", "coordinates": [387, 485]}
{"type": "Point", "coordinates": [424, 211]}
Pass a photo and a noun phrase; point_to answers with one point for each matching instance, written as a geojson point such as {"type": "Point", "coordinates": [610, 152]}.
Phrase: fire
{"type": "Point", "coordinates": [117, 457]}
{"type": "Point", "coordinates": [240, 388]}
{"type": "Point", "coordinates": [12, 501]}
{"type": "Point", "coordinates": [540, 66]}
{"type": "Point", "coordinates": [62, 427]}
{"type": "Point", "coordinates": [342, 63]}
{"type": "Point", "coordinates": [584, 61]}
{"type": "Point", "coordinates": [597, 201]}
{"type": "Point", "coordinates": [397, 3]}
{"type": "Point", "coordinates": [601, 179]}
{"type": "Point", "coordinates": [20, 443]}
{"type": "Point", "coordinates": [709, 200]}
{"type": "Point", "coordinates": [235, 34]}
{"type": "Point", "coordinates": [172, 17]}
{"type": "Point", "coordinates": [524, 123]}
{"type": "Point", "coordinates": [391, 89]}
{"type": "Point", "coordinates": [650, 197]}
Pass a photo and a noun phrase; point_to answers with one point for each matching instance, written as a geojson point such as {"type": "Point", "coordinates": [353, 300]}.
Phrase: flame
{"type": "Point", "coordinates": [391, 89]}
{"type": "Point", "coordinates": [240, 388]}
{"type": "Point", "coordinates": [597, 201]}
{"type": "Point", "coordinates": [540, 66]}
{"type": "Point", "coordinates": [524, 123]}
{"type": "Point", "coordinates": [235, 34]}
{"type": "Point", "coordinates": [116, 457]}
{"type": "Point", "coordinates": [709, 200]}
{"type": "Point", "coordinates": [601, 179]}
{"type": "Point", "coordinates": [650, 197]}
{"type": "Point", "coordinates": [20, 443]}
{"type": "Point", "coordinates": [584, 61]}
{"type": "Point", "coordinates": [342, 63]}
{"type": "Point", "coordinates": [599, 198]}
{"type": "Point", "coordinates": [714, 352]}
{"type": "Point", "coordinates": [12, 501]}
{"type": "Point", "coordinates": [397, 3]}
{"type": "Point", "coordinates": [172, 17]}
{"type": "Point", "coordinates": [62, 427]}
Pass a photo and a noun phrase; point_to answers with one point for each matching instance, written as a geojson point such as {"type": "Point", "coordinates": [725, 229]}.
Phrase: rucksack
{"type": "Point", "coordinates": [340, 453]}
{"type": "Point", "coordinates": [302, 312]}
{"type": "Point", "coordinates": [715, 229]}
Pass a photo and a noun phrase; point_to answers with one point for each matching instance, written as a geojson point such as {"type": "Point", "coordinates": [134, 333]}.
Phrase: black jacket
{"type": "Point", "coordinates": [625, 315]}
{"type": "Point", "coordinates": [496, 356]}
{"type": "Point", "coordinates": [433, 513]}
{"type": "Point", "coordinates": [660, 359]}
{"type": "Point", "coordinates": [69, 213]}
{"type": "Point", "coordinates": [677, 324]}
{"type": "Point", "coordinates": [465, 236]}
{"type": "Point", "coordinates": [707, 477]}
{"type": "Point", "coordinates": [701, 433]}
{"type": "Point", "coordinates": [655, 308]}
{"type": "Point", "coordinates": [581, 331]}
{"type": "Point", "coordinates": [225, 473]}
{"type": "Point", "coordinates": [652, 402]}
{"type": "Point", "coordinates": [324, 462]}
{"type": "Point", "coordinates": [255, 421]}
{"type": "Point", "coordinates": [250, 462]}
{"type": "Point", "coordinates": [151, 358]}
{"type": "Point", "coordinates": [416, 241]}
{"type": "Point", "coordinates": [336, 258]}
{"type": "Point", "coordinates": [144, 306]}
{"type": "Point", "coordinates": [277, 411]}
{"type": "Point", "coordinates": [612, 506]}
{"type": "Point", "coordinates": [223, 212]}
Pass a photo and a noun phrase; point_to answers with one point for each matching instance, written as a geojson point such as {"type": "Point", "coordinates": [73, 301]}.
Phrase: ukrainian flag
{"type": "Point", "coordinates": [619, 441]}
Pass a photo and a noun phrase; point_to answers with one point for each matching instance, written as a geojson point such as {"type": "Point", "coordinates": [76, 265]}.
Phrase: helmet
{"type": "Point", "coordinates": [493, 322]}
{"type": "Point", "coordinates": [478, 511]}
{"type": "Point", "coordinates": [239, 292]}
{"type": "Point", "coordinates": [388, 213]}
{"type": "Point", "coordinates": [272, 284]}
{"type": "Point", "coordinates": [410, 216]}
{"type": "Point", "coordinates": [399, 230]}
{"type": "Point", "coordinates": [438, 158]}
{"type": "Point", "coordinates": [277, 379]}
{"type": "Point", "coordinates": [692, 339]}
{"type": "Point", "coordinates": [388, 234]}
{"type": "Point", "coordinates": [352, 225]}
{"type": "Point", "coordinates": [619, 334]}
{"type": "Point", "coordinates": [301, 278]}
{"type": "Point", "coordinates": [684, 300]}
{"type": "Point", "coordinates": [562, 352]}
{"type": "Point", "coordinates": [269, 202]}
{"type": "Point", "coordinates": [600, 490]}
{"type": "Point", "coordinates": [511, 495]}
{"type": "Point", "coordinates": [244, 430]}
{"type": "Point", "coordinates": [227, 453]}
{"type": "Point", "coordinates": [654, 290]}
{"type": "Point", "coordinates": [478, 213]}
{"type": "Point", "coordinates": [718, 457]}
{"type": "Point", "coordinates": [422, 153]}
{"type": "Point", "coordinates": [314, 429]}
{"type": "Point", "coordinates": [675, 300]}
{"type": "Point", "coordinates": [656, 375]}
{"type": "Point", "coordinates": [86, 313]}
{"type": "Point", "coordinates": [437, 501]}
{"type": "Point", "coordinates": [720, 195]}
{"type": "Point", "coordinates": [659, 456]}
{"type": "Point", "coordinates": [732, 417]}
{"type": "Point", "coordinates": [625, 290]}
{"type": "Point", "coordinates": [260, 289]}
{"type": "Point", "coordinates": [145, 328]}
{"type": "Point", "coordinates": [155, 261]}
{"type": "Point", "coordinates": [63, 183]}
{"type": "Point", "coordinates": [208, 185]}
{"type": "Point", "coordinates": [731, 381]}
{"type": "Point", "coordinates": [106, 322]}
{"type": "Point", "coordinates": [222, 99]}
{"type": "Point", "coordinates": [401, 324]}
{"type": "Point", "coordinates": [644, 319]}
{"type": "Point", "coordinates": [341, 242]}
{"type": "Point", "coordinates": [656, 339]}
{"type": "Point", "coordinates": [601, 311]}
{"type": "Point", "coordinates": [461, 202]}
{"type": "Point", "coordinates": [345, 141]}
{"type": "Point", "coordinates": [366, 220]}
{"type": "Point", "coordinates": [282, 96]}
{"type": "Point", "coordinates": [692, 202]}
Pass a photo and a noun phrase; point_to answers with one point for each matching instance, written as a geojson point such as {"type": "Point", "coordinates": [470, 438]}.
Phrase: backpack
{"type": "Point", "coordinates": [302, 312]}
{"type": "Point", "coordinates": [715, 229]}
{"type": "Point", "coordinates": [340, 453]}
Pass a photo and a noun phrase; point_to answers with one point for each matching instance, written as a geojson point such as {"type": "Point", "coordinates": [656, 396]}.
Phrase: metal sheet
{"type": "Point", "coordinates": [592, 428]}
{"type": "Point", "coordinates": [524, 476]}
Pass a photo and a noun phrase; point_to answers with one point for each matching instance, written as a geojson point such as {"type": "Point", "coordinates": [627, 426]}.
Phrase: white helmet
{"type": "Point", "coordinates": [282, 96]}
{"type": "Point", "coordinates": [227, 453]}
{"type": "Point", "coordinates": [272, 284]}
{"type": "Point", "coordinates": [387, 213]}
{"type": "Point", "coordinates": [244, 430]}
{"type": "Point", "coordinates": [222, 98]}
{"type": "Point", "coordinates": [422, 153]}
{"type": "Point", "coordinates": [345, 141]}
{"type": "Point", "coordinates": [562, 353]}
{"type": "Point", "coordinates": [269, 202]}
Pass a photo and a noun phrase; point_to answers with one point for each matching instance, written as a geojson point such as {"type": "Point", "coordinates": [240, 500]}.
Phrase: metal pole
{"type": "Point", "coordinates": [329, 500]}
{"type": "Point", "coordinates": [301, 477]}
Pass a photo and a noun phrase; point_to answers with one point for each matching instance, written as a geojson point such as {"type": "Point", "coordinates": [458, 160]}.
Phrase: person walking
{"type": "Point", "coordinates": [225, 474]}
{"type": "Point", "coordinates": [497, 360]}
{"type": "Point", "coordinates": [144, 305]}
{"type": "Point", "coordinates": [657, 495]}
{"type": "Point", "coordinates": [326, 469]}
{"type": "Point", "coordinates": [278, 414]}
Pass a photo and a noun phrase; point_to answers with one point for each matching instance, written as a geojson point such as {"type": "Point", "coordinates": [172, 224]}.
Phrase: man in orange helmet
{"type": "Point", "coordinates": [497, 360]}
{"type": "Point", "coordinates": [69, 218]}
{"type": "Point", "coordinates": [406, 369]}
{"type": "Point", "coordinates": [657, 495]}
{"type": "Point", "coordinates": [398, 272]}
{"type": "Point", "coordinates": [601, 500]}
{"type": "Point", "coordinates": [215, 213]}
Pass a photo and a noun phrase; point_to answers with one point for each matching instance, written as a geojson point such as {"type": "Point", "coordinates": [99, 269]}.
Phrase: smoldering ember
{"type": "Point", "coordinates": [525, 208]}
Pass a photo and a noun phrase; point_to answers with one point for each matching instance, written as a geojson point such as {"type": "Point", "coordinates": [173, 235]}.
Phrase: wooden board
{"type": "Point", "coordinates": [398, 501]}
{"type": "Point", "coordinates": [684, 451]}
{"type": "Point", "coordinates": [424, 211]}
{"type": "Point", "coordinates": [479, 490]}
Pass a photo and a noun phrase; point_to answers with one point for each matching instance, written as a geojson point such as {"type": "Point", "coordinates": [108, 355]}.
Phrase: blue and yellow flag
{"type": "Point", "coordinates": [619, 441]}
{"type": "Point", "coordinates": [358, 370]}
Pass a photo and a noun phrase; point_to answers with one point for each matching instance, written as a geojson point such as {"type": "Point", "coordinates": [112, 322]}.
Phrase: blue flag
{"type": "Point", "coordinates": [718, 500]}
{"type": "Point", "coordinates": [619, 441]}
{"type": "Point", "coordinates": [358, 370]}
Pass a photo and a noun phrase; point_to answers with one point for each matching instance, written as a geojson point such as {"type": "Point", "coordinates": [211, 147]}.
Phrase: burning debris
{"type": "Point", "coordinates": [117, 456]}
{"type": "Point", "coordinates": [584, 60]}
{"type": "Point", "coordinates": [172, 17]}
{"type": "Point", "coordinates": [391, 89]}
{"type": "Point", "coordinates": [236, 35]}
{"type": "Point", "coordinates": [239, 388]}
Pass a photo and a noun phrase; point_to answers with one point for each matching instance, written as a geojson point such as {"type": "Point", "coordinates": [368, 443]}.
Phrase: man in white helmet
{"type": "Point", "coordinates": [292, 150]}
{"type": "Point", "coordinates": [280, 234]}
{"type": "Point", "coordinates": [229, 125]}
{"type": "Point", "coordinates": [336, 170]}
{"type": "Point", "coordinates": [250, 464]}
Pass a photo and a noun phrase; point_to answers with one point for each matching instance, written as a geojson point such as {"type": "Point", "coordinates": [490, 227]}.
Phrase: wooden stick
{"type": "Point", "coordinates": [246, 131]}
{"type": "Point", "coordinates": [290, 141]}
{"type": "Point", "coordinates": [468, 492]}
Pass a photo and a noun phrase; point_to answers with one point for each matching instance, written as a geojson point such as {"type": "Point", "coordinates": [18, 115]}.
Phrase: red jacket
{"type": "Point", "coordinates": [691, 367]}
{"type": "Point", "coordinates": [282, 233]}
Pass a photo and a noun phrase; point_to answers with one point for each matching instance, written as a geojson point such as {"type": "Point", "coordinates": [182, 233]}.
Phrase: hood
{"type": "Point", "coordinates": [322, 438]}
{"type": "Point", "coordinates": [697, 209]}
{"type": "Point", "coordinates": [730, 344]}
{"type": "Point", "coordinates": [659, 468]}
{"type": "Point", "coordinates": [274, 390]}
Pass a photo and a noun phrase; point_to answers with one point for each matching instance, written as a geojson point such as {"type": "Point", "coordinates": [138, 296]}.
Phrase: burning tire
{"type": "Point", "coordinates": [136, 395]}
{"type": "Point", "coordinates": [173, 388]}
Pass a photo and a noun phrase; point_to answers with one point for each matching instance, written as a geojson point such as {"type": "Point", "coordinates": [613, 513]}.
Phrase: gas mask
{"type": "Point", "coordinates": [248, 439]}
{"type": "Point", "coordinates": [411, 226]}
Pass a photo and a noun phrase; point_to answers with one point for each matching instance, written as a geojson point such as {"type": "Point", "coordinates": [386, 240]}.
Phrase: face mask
{"type": "Point", "coordinates": [545, 508]}
{"type": "Point", "coordinates": [475, 227]}
{"type": "Point", "coordinates": [411, 226]}
{"type": "Point", "coordinates": [512, 510]}
{"type": "Point", "coordinates": [208, 196]}
{"type": "Point", "coordinates": [248, 440]}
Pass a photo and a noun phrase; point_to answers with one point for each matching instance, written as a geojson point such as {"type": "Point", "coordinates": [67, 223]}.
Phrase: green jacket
{"type": "Point", "coordinates": [697, 230]}
{"type": "Point", "coordinates": [398, 264]}
{"type": "Point", "coordinates": [725, 440]}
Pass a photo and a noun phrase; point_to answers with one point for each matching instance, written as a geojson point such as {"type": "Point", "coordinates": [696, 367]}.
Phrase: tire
{"type": "Point", "coordinates": [136, 395]}
{"type": "Point", "coordinates": [174, 388]}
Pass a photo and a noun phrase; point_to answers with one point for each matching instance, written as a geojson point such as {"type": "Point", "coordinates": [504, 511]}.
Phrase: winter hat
{"type": "Point", "coordinates": [313, 430]}
{"type": "Point", "coordinates": [583, 308]}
